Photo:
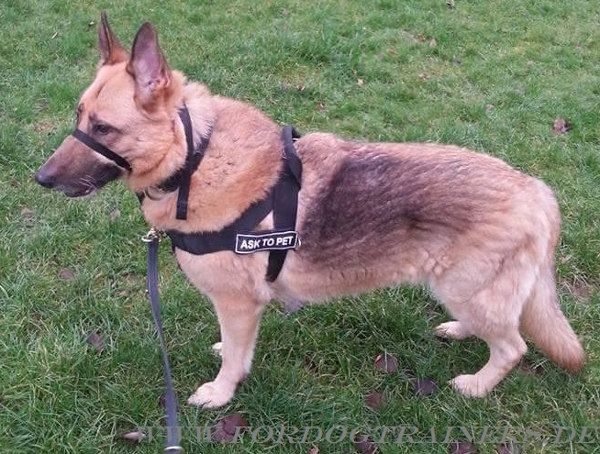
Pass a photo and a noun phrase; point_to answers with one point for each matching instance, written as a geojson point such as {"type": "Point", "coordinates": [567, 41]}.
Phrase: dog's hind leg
{"type": "Point", "coordinates": [488, 305]}
{"type": "Point", "coordinates": [506, 349]}
{"type": "Point", "coordinates": [239, 322]}
{"type": "Point", "coordinates": [452, 330]}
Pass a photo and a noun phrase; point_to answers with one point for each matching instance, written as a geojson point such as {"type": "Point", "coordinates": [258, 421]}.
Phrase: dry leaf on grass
{"type": "Point", "coordinates": [561, 126]}
{"type": "Point", "coordinates": [225, 429]}
{"type": "Point", "coordinates": [462, 447]}
{"type": "Point", "coordinates": [385, 362]}
{"type": "Point", "coordinates": [507, 449]}
{"type": "Point", "coordinates": [95, 341]}
{"type": "Point", "coordinates": [66, 274]}
{"type": "Point", "coordinates": [365, 445]}
{"type": "Point", "coordinates": [375, 400]}
{"type": "Point", "coordinates": [424, 387]}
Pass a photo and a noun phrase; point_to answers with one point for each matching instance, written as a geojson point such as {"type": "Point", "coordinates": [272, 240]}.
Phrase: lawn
{"type": "Point", "coordinates": [491, 76]}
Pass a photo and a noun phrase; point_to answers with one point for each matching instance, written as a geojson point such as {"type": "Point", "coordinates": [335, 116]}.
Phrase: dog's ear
{"type": "Point", "coordinates": [149, 68]}
{"type": "Point", "coordinates": [111, 51]}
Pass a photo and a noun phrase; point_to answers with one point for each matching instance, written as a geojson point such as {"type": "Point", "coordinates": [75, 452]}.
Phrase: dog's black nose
{"type": "Point", "coordinates": [45, 179]}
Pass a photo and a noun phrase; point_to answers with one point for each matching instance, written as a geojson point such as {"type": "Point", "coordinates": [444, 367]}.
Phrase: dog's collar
{"type": "Point", "coordinates": [181, 179]}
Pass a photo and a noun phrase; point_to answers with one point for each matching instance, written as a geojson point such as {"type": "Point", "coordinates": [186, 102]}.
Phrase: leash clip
{"type": "Point", "coordinates": [152, 235]}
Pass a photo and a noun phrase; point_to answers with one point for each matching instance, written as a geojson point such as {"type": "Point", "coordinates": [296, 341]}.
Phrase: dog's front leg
{"type": "Point", "coordinates": [239, 319]}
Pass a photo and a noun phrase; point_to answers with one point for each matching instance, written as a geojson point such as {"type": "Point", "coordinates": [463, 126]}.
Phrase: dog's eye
{"type": "Point", "coordinates": [102, 129]}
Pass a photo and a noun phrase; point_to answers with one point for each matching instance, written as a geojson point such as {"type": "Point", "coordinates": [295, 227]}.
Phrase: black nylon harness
{"type": "Point", "coordinates": [239, 236]}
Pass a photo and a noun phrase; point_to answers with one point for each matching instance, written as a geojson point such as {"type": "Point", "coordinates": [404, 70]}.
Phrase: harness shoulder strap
{"type": "Point", "coordinates": [285, 199]}
{"type": "Point", "coordinates": [192, 161]}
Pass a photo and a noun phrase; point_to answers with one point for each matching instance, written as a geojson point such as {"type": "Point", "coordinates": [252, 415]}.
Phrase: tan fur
{"type": "Point", "coordinates": [479, 233]}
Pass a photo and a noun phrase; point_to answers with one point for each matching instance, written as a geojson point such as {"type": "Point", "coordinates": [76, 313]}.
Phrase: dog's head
{"type": "Point", "coordinates": [128, 110]}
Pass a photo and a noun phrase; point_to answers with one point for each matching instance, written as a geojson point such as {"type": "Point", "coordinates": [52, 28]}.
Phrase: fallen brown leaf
{"type": "Point", "coordinates": [66, 274]}
{"type": "Point", "coordinates": [424, 387]}
{"type": "Point", "coordinates": [225, 428]}
{"type": "Point", "coordinates": [561, 126]}
{"type": "Point", "coordinates": [96, 341]}
{"type": "Point", "coordinates": [320, 106]}
{"type": "Point", "coordinates": [300, 87]}
{"type": "Point", "coordinates": [450, 4]}
{"type": "Point", "coordinates": [462, 447]}
{"type": "Point", "coordinates": [375, 400]}
{"type": "Point", "coordinates": [365, 445]}
{"type": "Point", "coordinates": [313, 450]}
{"type": "Point", "coordinates": [432, 43]}
{"type": "Point", "coordinates": [360, 82]}
{"type": "Point", "coordinates": [507, 449]}
{"type": "Point", "coordinates": [385, 362]}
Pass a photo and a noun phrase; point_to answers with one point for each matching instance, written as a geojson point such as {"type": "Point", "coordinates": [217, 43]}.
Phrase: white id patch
{"type": "Point", "coordinates": [276, 241]}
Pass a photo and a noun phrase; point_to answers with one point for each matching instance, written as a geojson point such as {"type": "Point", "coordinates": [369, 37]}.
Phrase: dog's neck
{"type": "Point", "coordinates": [169, 147]}
{"type": "Point", "coordinates": [241, 164]}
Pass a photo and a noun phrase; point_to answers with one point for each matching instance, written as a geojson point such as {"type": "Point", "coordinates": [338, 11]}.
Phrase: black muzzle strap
{"type": "Point", "coordinates": [101, 149]}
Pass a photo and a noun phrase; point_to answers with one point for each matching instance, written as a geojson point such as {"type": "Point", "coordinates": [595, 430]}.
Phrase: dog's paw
{"type": "Point", "coordinates": [211, 395]}
{"type": "Point", "coordinates": [469, 385]}
{"type": "Point", "coordinates": [217, 349]}
{"type": "Point", "coordinates": [452, 330]}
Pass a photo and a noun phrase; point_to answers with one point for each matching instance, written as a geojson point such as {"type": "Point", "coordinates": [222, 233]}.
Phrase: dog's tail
{"type": "Point", "coordinates": [542, 318]}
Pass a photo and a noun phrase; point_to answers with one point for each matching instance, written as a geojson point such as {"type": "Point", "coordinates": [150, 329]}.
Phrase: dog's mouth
{"type": "Point", "coordinates": [78, 186]}
{"type": "Point", "coordinates": [79, 193]}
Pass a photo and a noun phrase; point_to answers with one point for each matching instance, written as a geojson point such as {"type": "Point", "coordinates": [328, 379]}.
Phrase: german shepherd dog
{"type": "Point", "coordinates": [480, 234]}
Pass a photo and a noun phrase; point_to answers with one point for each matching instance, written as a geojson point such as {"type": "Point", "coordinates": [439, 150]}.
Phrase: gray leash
{"type": "Point", "coordinates": [152, 239]}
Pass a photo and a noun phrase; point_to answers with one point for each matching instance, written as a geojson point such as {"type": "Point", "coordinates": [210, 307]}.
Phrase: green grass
{"type": "Point", "coordinates": [491, 76]}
